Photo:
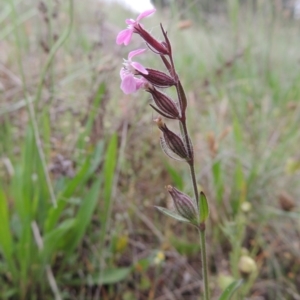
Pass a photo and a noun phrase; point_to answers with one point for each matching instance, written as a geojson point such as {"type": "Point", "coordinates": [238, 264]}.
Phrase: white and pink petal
{"type": "Point", "coordinates": [139, 67]}
{"type": "Point", "coordinates": [145, 14]}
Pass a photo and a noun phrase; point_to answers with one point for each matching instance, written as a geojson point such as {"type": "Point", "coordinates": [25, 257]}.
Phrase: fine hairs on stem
{"type": "Point", "coordinates": [134, 77]}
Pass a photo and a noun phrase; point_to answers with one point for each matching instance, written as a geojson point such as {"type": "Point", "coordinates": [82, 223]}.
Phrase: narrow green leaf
{"type": "Point", "coordinates": [109, 167]}
{"type": "Point", "coordinates": [229, 291]}
{"type": "Point", "coordinates": [109, 173]}
{"type": "Point", "coordinates": [203, 207]}
{"type": "Point", "coordinates": [94, 109]}
{"type": "Point", "coordinates": [218, 179]}
{"type": "Point", "coordinates": [53, 240]}
{"type": "Point", "coordinates": [95, 106]}
{"type": "Point", "coordinates": [6, 244]}
{"type": "Point", "coordinates": [26, 252]}
{"type": "Point", "coordinates": [83, 217]}
{"type": "Point", "coordinates": [172, 214]}
{"type": "Point", "coordinates": [54, 213]}
{"type": "Point", "coordinates": [111, 276]}
{"type": "Point", "coordinates": [96, 158]}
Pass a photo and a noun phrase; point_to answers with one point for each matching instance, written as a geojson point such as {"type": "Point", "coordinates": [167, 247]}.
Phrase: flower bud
{"type": "Point", "coordinates": [166, 105]}
{"type": "Point", "coordinates": [184, 204]}
{"type": "Point", "coordinates": [247, 266]}
{"type": "Point", "coordinates": [153, 43]}
{"type": "Point", "coordinates": [171, 141]}
{"type": "Point", "coordinates": [158, 78]}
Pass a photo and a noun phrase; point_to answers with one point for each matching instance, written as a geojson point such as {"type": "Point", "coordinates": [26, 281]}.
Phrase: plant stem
{"type": "Point", "coordinates": [191, 162]}
{"type": "Point", "coordinates": [188, 143]}
{"type": "Point", "coordinates": [204, 262]}
{"type": "Point", "coordinates": [202, 226]}
{"type": "Point", "coordinates": [192, 170]}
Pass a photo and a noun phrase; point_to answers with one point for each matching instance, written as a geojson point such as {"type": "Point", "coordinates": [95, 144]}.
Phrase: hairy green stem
{"type": "Point", "coordinates": [188, 143]}
{"type": "Point", "coordinates": [204, 262]}
{"type": "Point", "coordinates": [191, 162]}
{"type": "Point", "coordinates": [192, 170]}
{"type": "Point", "coordinates": [202, 226]}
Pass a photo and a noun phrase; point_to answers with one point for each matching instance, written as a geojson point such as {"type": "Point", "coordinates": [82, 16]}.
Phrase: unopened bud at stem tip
{"type": "Point", "coordinates": [159, 122]}
{"type": "Point", "coordinates": [169, 188]}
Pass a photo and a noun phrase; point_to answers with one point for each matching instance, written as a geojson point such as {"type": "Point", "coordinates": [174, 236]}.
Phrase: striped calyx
{"type": "Point", "coordinates": [164, 104]}
{"type": "Point", "coordinates": [158, 78]}
{"type": "Point", "coordinates": [156, 46]}
{"type": "Point", "coordinates": [184, 204]}
{"type": "Point", "coordinates": [172, 141]}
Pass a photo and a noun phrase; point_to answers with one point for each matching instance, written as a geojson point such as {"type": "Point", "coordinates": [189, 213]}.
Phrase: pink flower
{"type": "Point", "coordinates": [125, 35]}
{"type": "Point", "coordinates": [130, 84]}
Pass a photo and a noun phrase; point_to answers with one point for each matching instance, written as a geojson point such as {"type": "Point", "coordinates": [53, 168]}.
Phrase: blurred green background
{"type": "Point", "coordinates": [81, 168]}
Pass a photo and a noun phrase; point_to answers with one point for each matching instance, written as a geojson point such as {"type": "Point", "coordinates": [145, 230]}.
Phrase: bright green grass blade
{"type": "Point", "coordinates": [109, 169]}
{"type": "Point", "coordinates": [46, 126]}
{"type": "Point", "coordinates": [5, 234]}
{"type": "Point", "coordinates": [6, 243]}
{"type": "Point", "coordinates": [83, 217]}
{"type": "Point", "coordinates": [218, 180]}
{"type": "Point", "coordinates": [109, 172]}
{"type": "Point", "coordinates": [86, 171]}
{"type": "Point", "coordinates": [25, 252]}
{"type": "Point", "coordinates": [55, 213]}
{"type": "Point", "coordinates": [111, 276]}
{"type": "Point", "coordinates": [22, 184]}
{"type": "Point", "coordinates": [92, 115]}
{"type": "Point", "coordinates": [98, 156]}
{"type": "Point", "coordinates": [54, 239]}
{"type": "Point", "coordinates": [229, 291]}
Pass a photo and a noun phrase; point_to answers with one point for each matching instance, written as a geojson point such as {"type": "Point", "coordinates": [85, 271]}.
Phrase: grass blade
{"type": "Point", "coordinates": [229, 291]}
{"type": "Point", "coordinates": [55, 213]}
{"type": "Point", "coordinates": [6, 245]}
{"type": "Point", "coordinates": [83, 217]}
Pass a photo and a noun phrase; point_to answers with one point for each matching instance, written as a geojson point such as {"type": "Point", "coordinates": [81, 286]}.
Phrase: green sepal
{"type": "Point", "coordinates": [172, 214]}
{"type": "Point", "coordinates": [229, 291]}
{"type": "Point", "coordinates": [203, 208]}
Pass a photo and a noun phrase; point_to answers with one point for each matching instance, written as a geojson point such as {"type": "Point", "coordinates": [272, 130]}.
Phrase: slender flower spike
{"type": "Point", "coordinates": [124, 37]}
{"type": "Point", "coordinates": [184, 205]}
{"type": "Point", "coordinates": [130, 84]}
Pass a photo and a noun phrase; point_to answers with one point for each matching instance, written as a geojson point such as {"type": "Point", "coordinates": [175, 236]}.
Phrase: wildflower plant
{"type": "Point", "coordinates": [134, 76]}
{"type": "Point", "coordinates": [178, 146]}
